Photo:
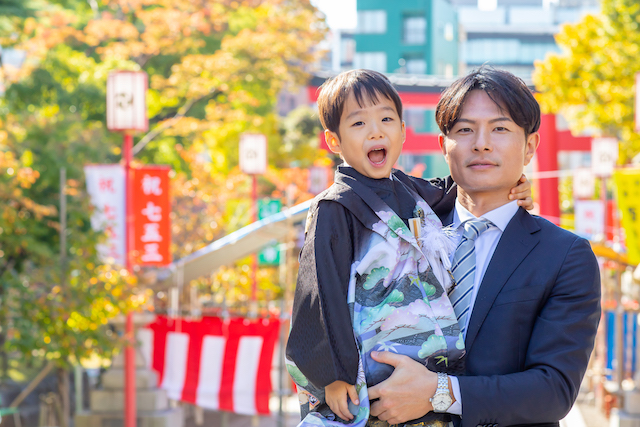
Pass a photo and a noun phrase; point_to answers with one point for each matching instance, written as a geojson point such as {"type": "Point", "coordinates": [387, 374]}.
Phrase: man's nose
{"type": "Point", "coordinates": [482, 141]}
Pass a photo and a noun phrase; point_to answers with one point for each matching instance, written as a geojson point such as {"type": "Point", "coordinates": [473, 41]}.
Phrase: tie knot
{"type": "Point", "coordinates": [475, 227]}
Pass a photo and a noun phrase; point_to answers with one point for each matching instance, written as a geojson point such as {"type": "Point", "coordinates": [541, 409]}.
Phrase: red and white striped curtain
{"type": "Point", "coordinates": [214, 363]}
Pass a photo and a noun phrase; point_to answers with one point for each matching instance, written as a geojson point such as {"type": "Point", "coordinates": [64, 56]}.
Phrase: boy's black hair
{"type": "Point", "coordinates": [364, 84]}
{"type": "Point", "coordinates": [508, 92]}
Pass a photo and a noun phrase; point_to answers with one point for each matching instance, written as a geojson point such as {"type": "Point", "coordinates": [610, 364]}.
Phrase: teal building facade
{"type": "Point", "coordinates": [407, 37]}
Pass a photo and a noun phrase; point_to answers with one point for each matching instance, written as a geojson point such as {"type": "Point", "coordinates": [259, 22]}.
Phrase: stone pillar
{"type": "Point", "coordinates": [106, 405]}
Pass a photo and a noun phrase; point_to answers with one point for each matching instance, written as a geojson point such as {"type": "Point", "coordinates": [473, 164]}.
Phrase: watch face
{"type": "Point", "coordinates": [441, 401]}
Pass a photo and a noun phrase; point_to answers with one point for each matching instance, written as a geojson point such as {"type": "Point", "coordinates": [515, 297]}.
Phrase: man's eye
{"type": "Point", "coordinates": [501, 129]}
{"type": "Point", "coordinates": [464, 130]}
{"type": "Point", "coordinates": [387, 119]}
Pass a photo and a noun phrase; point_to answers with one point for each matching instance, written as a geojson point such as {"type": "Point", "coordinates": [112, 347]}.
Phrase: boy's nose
{"type": "Point", "coordinates": [375, 132]}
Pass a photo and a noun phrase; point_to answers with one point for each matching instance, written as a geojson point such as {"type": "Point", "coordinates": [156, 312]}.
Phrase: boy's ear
{"type": "Point", "coordinates": [332, 141]}
{"type": "Point", "coordinates": [404, 132]}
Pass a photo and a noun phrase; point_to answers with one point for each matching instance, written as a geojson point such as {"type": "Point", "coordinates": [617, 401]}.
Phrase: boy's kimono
{"type": "Point", "coordinates": [366, 283]}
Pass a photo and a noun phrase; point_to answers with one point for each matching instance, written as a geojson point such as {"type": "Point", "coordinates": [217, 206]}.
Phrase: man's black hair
{"type": "Point", "coordinates": [508, 91]}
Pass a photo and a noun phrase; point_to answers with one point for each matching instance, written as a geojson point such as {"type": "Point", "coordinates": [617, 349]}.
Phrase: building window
{"type": "Point", "coordinates": [415, 30]}
{"type": "Point", "coordinates": [347, 51]}
{"type": "Point", "coordinates": [376, 61]}
{"type": "Point", "coordinates": [372, 22]}
{"type": "Point", "coordinates": [416, 66]}
{"type": "Point", "coordinates": [448, 31]}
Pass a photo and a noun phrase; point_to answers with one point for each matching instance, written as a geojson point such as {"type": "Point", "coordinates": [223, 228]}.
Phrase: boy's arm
{"type": "Point", "coordinates": [439, 193]}
{"type": "Point", "coordinates": [321, 341]}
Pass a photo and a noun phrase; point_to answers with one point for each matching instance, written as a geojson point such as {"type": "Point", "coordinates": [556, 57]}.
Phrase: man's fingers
{"type": "Point", "coordinates": [374, 392]}
{"type": "Point", "coordinates": [387, 357]}
{"type": "Point", "coordinates": [376, 409]}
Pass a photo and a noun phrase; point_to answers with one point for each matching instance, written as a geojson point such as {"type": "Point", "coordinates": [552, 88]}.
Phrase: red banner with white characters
{"type": "Point", "coordinates": [151, 207]}
{"type": "Point", "coordinates": [214, 363]}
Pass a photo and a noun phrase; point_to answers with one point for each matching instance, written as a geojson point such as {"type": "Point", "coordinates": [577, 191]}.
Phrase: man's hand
{"type": "Point", "coordinates": [336, 396]}
{"type": "Point", "coordinates": [522, 193]}
{"type": "Point", "coordinates": [405, 394]}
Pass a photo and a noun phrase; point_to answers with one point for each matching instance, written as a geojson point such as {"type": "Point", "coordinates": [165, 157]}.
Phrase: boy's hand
{"type": "Point", "coordinates": [522, 193]}
{"type": "Point", "coordinates": [336, 396]}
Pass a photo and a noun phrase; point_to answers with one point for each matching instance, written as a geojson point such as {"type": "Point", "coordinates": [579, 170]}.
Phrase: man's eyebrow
{"type": "Point", "coordinates": [497, 119]}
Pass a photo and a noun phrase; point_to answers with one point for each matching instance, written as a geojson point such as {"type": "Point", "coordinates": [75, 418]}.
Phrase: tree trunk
{"type": "Point", "coordinates": [63, 390]}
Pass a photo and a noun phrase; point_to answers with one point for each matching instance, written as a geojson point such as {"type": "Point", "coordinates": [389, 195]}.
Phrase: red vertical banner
{"type": "Point", "coordinates": [151, 210]}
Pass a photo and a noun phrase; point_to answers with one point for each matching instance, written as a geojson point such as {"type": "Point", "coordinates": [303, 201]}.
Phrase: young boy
{"type": "Point", "coordinates": [366, 282]}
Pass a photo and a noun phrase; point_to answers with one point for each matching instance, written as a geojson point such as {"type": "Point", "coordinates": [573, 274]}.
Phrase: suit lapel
{"type": "Point", "coordinates": [517, 240]}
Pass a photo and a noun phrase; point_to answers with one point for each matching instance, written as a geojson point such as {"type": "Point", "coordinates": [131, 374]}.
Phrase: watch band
{"type": "Point", "coordinates": [443, 383]}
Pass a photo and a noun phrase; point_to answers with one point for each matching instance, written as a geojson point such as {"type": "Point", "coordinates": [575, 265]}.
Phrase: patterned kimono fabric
{"type": "Point", "coordinates": [396, 302]}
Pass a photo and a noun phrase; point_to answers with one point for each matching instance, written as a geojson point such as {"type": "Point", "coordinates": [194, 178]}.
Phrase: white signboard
{"type": "Point", "coordinates": [126, 101]}
{"type": "Point", "coordinates": [584, 182]}
{"type": "Point", "coordinates": [106, 187]}
{"type": "Point", "coordinates": [589, 217]}
{"type": "Point", "coordinates": [604, 154]}
{"type": "Point", "coordinates": [318, 179]}
{"type": "Point", "coordinates": [253, 153]}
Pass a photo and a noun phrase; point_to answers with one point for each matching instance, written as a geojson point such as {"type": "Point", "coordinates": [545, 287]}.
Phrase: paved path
{"type": "Point", "coordinates": [583, 414]}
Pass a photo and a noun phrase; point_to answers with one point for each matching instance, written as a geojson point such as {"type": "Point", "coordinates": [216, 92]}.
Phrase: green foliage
{"type": "Point", "coordinates": [592, 82]}
{"type": "Point", "coordinates": [215, 71]}
{"type": "Point", "coordinates": [300, 131]}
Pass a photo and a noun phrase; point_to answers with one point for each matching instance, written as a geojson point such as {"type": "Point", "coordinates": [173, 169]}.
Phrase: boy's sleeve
{"type": "Point", "coordinates": [439, 193]}
{"type": "Point", "coordinates": [321, 341]}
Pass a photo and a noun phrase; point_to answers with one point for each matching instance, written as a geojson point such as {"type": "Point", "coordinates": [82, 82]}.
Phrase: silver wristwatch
{"type": "Point", "coordinates": [441, 400]}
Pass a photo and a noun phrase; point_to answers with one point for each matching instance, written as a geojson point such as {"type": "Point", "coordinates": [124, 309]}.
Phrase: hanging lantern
{"type": "Point", "coordinates": [127, 101]}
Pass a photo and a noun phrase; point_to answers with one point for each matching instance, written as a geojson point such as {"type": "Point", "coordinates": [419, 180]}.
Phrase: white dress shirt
{"type": "Point", "coordinates": [485, 246]}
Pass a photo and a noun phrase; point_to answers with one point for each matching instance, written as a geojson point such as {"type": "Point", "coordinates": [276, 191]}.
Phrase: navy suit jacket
{"type": "Point", "coordinates": [532, 328]}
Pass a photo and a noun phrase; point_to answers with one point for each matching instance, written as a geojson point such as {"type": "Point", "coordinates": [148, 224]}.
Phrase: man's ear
{"type": "Point", "coordinates": [533, 140]}
{"type": "Point", "coordinates": [404, 132]}
{"type": "Point", "coordinates": [441, 138]}
{"type": "Point", "coordinates": [332, 141]}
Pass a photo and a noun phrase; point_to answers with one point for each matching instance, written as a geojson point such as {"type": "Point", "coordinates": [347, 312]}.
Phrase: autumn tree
{"type": "Point", "coordinates": [215, 70]}
{"type": "Point", "coordinates": [592, 81]}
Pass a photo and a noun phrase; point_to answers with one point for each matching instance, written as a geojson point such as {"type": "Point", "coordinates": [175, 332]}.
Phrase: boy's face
{"type": "Point", "coordinates": [485, 149]}
{"type": "Point", "coordinates": [371, 138]}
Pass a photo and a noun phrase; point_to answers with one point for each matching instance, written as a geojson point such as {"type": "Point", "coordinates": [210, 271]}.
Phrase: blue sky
{"type": "Point", "coordinates": [341, 14]}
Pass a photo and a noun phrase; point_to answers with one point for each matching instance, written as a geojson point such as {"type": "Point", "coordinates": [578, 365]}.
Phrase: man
{"type": "Point", "coordinates": [529, 305]}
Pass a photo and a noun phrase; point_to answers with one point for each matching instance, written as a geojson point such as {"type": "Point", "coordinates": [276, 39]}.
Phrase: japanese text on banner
{"type": "Point", "coordinates": [105, 185]}
{"type": "Point", "coordinates": [151, 208]}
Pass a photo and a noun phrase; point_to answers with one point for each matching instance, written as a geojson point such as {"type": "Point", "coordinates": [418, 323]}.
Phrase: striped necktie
{"type": "Point", "coordinates": [464, 267]}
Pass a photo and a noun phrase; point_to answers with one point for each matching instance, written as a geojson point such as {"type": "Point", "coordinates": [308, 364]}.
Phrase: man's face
{"type": "Point", "coordinates": [371, 137]}
{"type": "Point", "coordinates": [486, 150]}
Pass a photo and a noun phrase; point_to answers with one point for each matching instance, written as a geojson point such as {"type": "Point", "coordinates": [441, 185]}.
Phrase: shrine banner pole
{"type": "Point", "coordinates": [130, 407]}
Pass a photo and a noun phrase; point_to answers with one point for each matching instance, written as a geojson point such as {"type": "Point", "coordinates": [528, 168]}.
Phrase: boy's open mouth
{"type": "Point", "coordinates": [377, 155]}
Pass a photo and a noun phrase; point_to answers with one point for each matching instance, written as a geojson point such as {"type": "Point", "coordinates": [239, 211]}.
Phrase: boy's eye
{"type": "Point", "coordinates": [387, 119]}
{"type": "Point", "coordinates": [358, 124]}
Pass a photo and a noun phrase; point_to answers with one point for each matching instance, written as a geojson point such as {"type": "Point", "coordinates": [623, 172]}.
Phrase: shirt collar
{"type": "Point", "coordinates": [500, 217]}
